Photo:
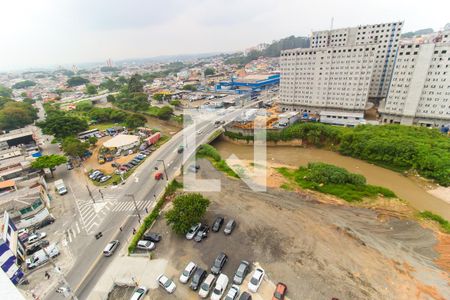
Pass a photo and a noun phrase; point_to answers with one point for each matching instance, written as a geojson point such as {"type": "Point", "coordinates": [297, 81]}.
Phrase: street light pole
{"type": "Point", "coordinates": [135, 206]}
{"type": "Point", "coordinates": [164, 165]}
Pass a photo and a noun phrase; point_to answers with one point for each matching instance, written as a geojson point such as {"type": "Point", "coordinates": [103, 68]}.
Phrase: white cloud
{"type": "Point", "coordinates": [51, 32]}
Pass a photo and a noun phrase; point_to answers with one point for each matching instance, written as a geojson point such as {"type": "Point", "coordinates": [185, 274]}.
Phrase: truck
{"type": "Point", "coordinates": [153, 138]}
{"type": "Point", "coordinates": [42, 256]}
{"type": "Point", "coordinates": [60, 187]}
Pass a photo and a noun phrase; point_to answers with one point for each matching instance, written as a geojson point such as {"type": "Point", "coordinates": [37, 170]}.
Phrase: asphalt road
{"type": "Point", "coordinates": [90, 262]}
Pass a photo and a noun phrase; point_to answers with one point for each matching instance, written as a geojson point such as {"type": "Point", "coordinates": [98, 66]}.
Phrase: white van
{"type": "Point", "coordinates": [60, 187]}
{"type": "Point", "coordinates": [39, 258]}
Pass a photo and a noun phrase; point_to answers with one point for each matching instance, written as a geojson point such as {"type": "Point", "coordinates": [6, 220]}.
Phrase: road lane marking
{"type": "Point", "coordinates": [78, 227]}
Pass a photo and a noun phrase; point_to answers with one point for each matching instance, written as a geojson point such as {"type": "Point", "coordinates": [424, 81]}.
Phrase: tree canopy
{"type": "Point", "coordinates": [91, 89]}
{"type": "Point", "coordinates": [74, 147]}
{"type": "Point", "coordinates": [76, 81]}
{"type": "Point", "coordinates": [5, 92]}
{"type": "Point", "coordinates": [188, 209]}
{"type": "Point", "coordinates": [48, 161]}
{"type": "Point", "coordinates": [15, 114]}
{"type": "Point", "coordinates": [134, 121]}
{"type": "Point", "coordinates": [23, 84]}
{"type": "Point", "coordinates": [209, 71]}
{"type": "Point", "coordinates": [189, 87]}
{"type": "Point", "coordinates": [61, 126]}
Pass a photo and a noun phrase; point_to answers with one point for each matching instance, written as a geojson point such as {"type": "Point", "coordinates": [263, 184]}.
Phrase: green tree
{"type": "Point", "coordinates": [91, 89]}
{"type": "Point", "coordinates": [92, 140]}
{"type": "Point", "coordinates": [110, 98]}
{"type": "Point", "coordinates": [165, 112]}
{"type": "Point", "coordinates": [23, 84]}
{"type": "Point", "coordinates": [61, 126]}
{"type": "Point", "coordinates": [189, 87]}
{"type": "Point", "coordinates": [109, 84]}
{"type": "Point", "coordinates": [134, 121]}
{"type": "Point", "coordinates": [84, 105]}
{"type": "Point", "coordinates": [76, 81]}
{"type": "Point", "coordinates": [48, 161]}
{"type": "Point", "coordinates": [175, 102]}
{"type": "Point", "coordinates": [135, 85]}
{"type": "Point", "coordinates": [188, 209]}
{"type": "Point", "coordinates": [5, 92]}
{"type": "Point", "coordinates": [74, 147]}
{"type": "Point", "coordinates": [15, 115]}
{"type": "Point", "coordinates": [209, 71]}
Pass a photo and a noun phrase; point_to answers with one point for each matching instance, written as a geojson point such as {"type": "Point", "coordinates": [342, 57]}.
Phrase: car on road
{"type": "Point", "coordinates": [180, 149]}
{"type": "Point", "coordinates": [199, 132]}
{"type": "Point", "coordinates": [219, 262]}
{"type": "Point", "coordinates": [220, 287]}
{"type": "Point", "coordinates": [111, 247]}
{"type": "Point", "coordinates": [241, 272]}
{"type": "Point", "coordinates": [233, 293]}
{"type": "Point", "coordinates": [197, 279]}
{"type": "Point", "coordinates": [245, 296]}
{"type": "Point", "coordinates": [231, 224]}
{"type": "Point", "coordinates": [105, 178]}
{"type": "Point", "coordinates": [280, 291]}
{"type": "Point", "coordinates": [202, 233]}
{"type": "Point", "coordinates": [188, 272]}
{"type": "Point", "coordinates": [256, 280]}
{"type": "Point", "coordinates": [152, 236]}
{"type": "Point", "coordinates": [159, 176]}
{"type": "Point", "coordinates": [145, 245]}
{"type": "Point", "coordinates": [45, 222]}
{"type": "Point", "coordinates": [33, 238]}
{"type": "Point", "coordinates": [193, 168]}
{"type": "Point", "coordinates": [166, 283]}
{"type": "Point", "coordinates": [139, 293]}
{"type": "Point", "coordinates": [217, 224]}
{"type": "Point", "coordinates": [36, 247]}
{"type": "Point", "coordinates": [207, 286]}
{"type": "Point", "coordinates": [193, 231]}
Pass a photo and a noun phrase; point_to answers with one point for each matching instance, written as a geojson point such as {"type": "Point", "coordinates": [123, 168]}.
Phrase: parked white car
{"type": "Point", "coordinates": [145, 245]}
{"type": "Point", "coordinates": [166, 283]}
{"type": "Point", "coordinates": [220, 287]}
{"type": "Point", "coordinates": [139, 293]}
{"type": "Point", "coordinates": [33, 238]}
{"type": "Point", "coordinates": [233, 293]}
{"type": "Point", "coordinates": [188, 271]}
{"type": "Point", "coordinates": [193, 231]}
{"type": "Point", "coordinates": [256, 280]}
{"type": "Point", "coordinates": [207, 286]}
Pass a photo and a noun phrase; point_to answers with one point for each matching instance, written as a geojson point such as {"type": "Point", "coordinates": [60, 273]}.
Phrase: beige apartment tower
{"type": "Point", "coordinates": [333, 78]}
{"type": "Point", "coordinates": [420, 89]}
{"type": "Point", "coordinates": [384, 36]}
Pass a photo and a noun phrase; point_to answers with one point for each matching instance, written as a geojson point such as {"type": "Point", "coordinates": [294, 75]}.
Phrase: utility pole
{"type": "Point", "coordinates": [58, 270]}
{"type": "Point", "coordinates": [135, 206]}
{"type": "Point", "coordinates": [165, 171]}
{"type": "Point", "coordinates": [90, 193]}
{"type": "Point", "coordinates": [101, 194]}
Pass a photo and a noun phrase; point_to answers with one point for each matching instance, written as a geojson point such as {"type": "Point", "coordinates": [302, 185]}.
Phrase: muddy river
{"type": "Point", "coordinates": [406, 188]}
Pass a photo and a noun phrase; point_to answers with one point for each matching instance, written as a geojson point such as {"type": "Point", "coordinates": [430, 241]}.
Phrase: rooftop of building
{"type": "Point", "coordinates": [17, 133]}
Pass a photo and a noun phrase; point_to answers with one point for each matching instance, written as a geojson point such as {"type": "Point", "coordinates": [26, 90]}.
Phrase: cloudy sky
{"type": "Point", "coordinates": [37, 33]}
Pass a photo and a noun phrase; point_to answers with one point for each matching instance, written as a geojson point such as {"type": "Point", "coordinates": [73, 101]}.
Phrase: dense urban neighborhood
{"type": "Point", "coordinates": [145, 178]}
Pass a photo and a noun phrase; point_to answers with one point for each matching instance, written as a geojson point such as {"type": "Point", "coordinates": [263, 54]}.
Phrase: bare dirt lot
{"type": "Point", "coordinates": [319, 250]}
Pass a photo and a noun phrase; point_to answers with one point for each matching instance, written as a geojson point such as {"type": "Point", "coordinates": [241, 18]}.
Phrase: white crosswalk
{"type": "Point", "coordinates": [129, 205]}
{"type": "Point", "coordinates": [72, 233]}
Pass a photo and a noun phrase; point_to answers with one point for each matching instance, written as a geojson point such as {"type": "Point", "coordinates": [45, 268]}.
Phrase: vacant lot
{"type": "Point", "coordinates": [319, 250]}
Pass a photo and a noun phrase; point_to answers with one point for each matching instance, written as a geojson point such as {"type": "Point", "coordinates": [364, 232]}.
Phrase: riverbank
{"type": "Point", "coordinates": [407, 188]}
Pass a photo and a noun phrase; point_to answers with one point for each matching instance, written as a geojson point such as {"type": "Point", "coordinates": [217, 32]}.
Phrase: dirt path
{"type": "Point", "coordinates": [323, 250]}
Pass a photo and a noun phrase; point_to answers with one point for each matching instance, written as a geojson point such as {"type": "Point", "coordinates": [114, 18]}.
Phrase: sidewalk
{"type": "Point", "coordinates": [129, 271]}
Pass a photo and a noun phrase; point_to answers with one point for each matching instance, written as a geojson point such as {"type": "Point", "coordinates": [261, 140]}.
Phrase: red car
{"type": "Point", "coordinates": [158, 176]}
{"type": "Point", "coordinates": [280, 291]}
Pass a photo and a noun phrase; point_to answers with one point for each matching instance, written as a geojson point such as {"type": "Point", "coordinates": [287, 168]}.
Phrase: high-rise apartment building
{"type": "Point", "coordinates": [420, 88]}
{"type": "Point", "coordinates": [326, 78]}
{"type": "Point", "coordinates": [384, 36]}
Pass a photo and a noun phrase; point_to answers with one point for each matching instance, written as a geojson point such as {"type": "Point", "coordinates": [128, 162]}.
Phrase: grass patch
{"type": "Point", "coordinates": [428, 215]}
{"type": "Point", "coordinates": [209, 152]}
{"type": "Point", "coordinates": [153, 111]}
{"type": "Point", "coordinates": [104, 126]}
{"type": "Point", "coordinates": [150, 218]}
{"type": "Point", "coordinates": [329, 179]}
